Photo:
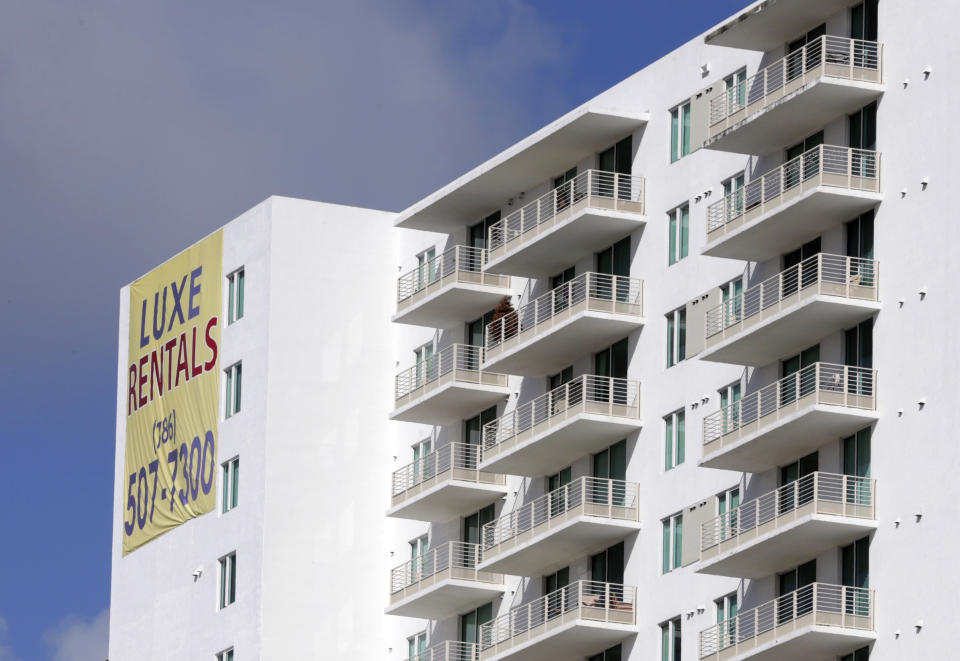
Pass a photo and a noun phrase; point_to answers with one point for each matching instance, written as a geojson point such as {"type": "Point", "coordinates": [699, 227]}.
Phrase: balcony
{"type": "Point", "coordinates": [584, 315]}
{"type": "Point", "coordinates": [818, 621]}
{"type": "Point", "coordinates": [544, 435]}
{"type": "Point", "coordinates": [794, 97]}
{"type": "Point", "coordinates": [584, 215]}
{"type": "Point", "coordinates": [447, 386]}
{"type": "Point", "coordinates": [445, 580]}
{"type": "Point", "coordinates": [450, 288]}
{"type": "Point", "coordinates": [444, 484]}
{"type": "Point", "coordinates": [448, 651]}
{"type": "Point", "coordinates": [792, 310]}
{"type": "Point", "coordinates": [790, 418]}
{"type": "Point", "coordinates": [765, 26]}
{"type": "Point", "coordinates": [584, 516]}
{"type": "Point", "coordinates": [786, 527]}
{"type": "Point", "coordinates": [793, 203]}
{"type": "Point", "coordinates": [575, 621]}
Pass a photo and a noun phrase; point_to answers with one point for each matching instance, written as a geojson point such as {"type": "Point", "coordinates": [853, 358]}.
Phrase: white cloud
{"type": "Point", "coordinates": [6, 654]}
{"type": "Point", "coordinates": [77, 639]}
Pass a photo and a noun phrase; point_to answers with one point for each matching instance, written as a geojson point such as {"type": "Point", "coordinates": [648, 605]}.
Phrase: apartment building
{"type": "Point", "coordinates": [663, 380]}
{"type": "Point", "coordinates": [663, 357]}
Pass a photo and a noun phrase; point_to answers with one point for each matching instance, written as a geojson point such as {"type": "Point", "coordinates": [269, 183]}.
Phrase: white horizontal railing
{"type": "Point", "coordinates": [597, 291]}
{"type": "Point", "coordinates": [601, 395]}
{"type": "Point", "coordinates": [448, 651]}
{"type": "Point", "coordinates": [452, 555]}
{"type": "Point", "coordinates": [828, 165]}
{"type": "Point", "coordinates": [459, 458]}
{"type": "Point", "coordinates": [836, 275]}
{"type": "Point", "coordinates": [841, 55]}
{"type": "Point", "coordinates": [843, 495]}
{"type": "Point", "coordinates": [463, 358]}
{"type": "Point", "coordinates": [582, 600]}
{"type": "Point", "coordinates": [815, 604]}
{"type": "Point", "coordinates": [841, 385]}
{"type": "Point", "coordinates": [596, 187]}
{"type": "Point", "coordinates": [459, 263]}
{"type": "Point", "coordinates": [595, 496]}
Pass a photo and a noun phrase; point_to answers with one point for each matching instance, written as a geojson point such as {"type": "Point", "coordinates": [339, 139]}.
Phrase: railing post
{"type": "Point", "coordinates": [816, 491]}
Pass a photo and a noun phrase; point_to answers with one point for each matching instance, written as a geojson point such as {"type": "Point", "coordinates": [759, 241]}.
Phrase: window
{"type": "Point", "coordinates": [473, 428]}
{"type": "Point", "coordinates": [674, 449]}
{"type": "Point", "coordinates": [418, 550]}
{"type": "Point", "coordinates": [672, 542]}
{"type": "Point", "coordinates": [607, 566]}
{"type": "Point", "coordinates": [727, 504]}
{"type": "Point", "coordinates": [735, 87]}
{"type": "Point", "coordinates": [473, 524]}
{"type": "Point", "coordinates": [727, 608]}
{"type": "Point", "coordinates": [231, 481]}
{"type": "Point", "coordinates": [234, 388]}
{"type": "Point", "coordinates": [480, 233]}
{"type": "Point", "coordinates": [679, 132]}
{"type": "Point", "coordinates": [612, 654]}
{"type": "Point", "coordinates": [730, 412]}
{"type": "Point", "coordinates": [476, 329]}
{"type": "Point", "coordinates": [797, 579]}
{"type": "Point", "coordinates": [558, 500]}
{"type": "Point", "coordinates": [228, 579]}
{"type": "Point", "coordinates": [426, 268]}
{"type": "Point", "coordinates": [733, 195]}
{"type": "Point", "coordinates": [679, 243]}
{"type": "Point", "coordinates": [670, 640]}
{"type": "Point", "coordinates": [863, 20]}
{"type": "Point", "coordinates": [225, 655]}
{"type": "Point", "coordinates": [471, 621]}
{"type": "Point", "coordinates": [731, 295]}
{"type": "Point", "coordinates": [551, 583]}
{"type": "Point", "coordinates": [416, 645]}
{"type": "Point", "coordinates": [235, 301]}
{"type": "Point", "coordinates": [862, 654]}
{"type": "Point", "coordinates": [563, 376]}
{"type": "Point", "coordinates": [424, 363]}
{"type": "Point", "coordinates": [676, 336]}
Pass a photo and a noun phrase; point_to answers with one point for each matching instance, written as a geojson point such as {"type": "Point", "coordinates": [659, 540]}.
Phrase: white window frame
{"type": "Point", "coordinates": [236, 288]}
{"type": "Point", "coordinates": [228, 572]}
{"type": "Point", "coordinates": [674, 448]}
{"type": "Point", "coordinates": [225, 655]}
{"type": "Point", "coordinates": [677, 150]}
{"type": "Point", "coordinates": [722, 606]}
{"type": "Point", "coordinates": [674, 344]}
{"type": "Point", "coordinates": [675, 232]}
{"type": "Point", "coordinates": [413, 646]}
{"type": "Point", "coordinates": [234, 395]}
{"type": "Point", "coordinates": [669, 628]}
{"type": "Point", "coordinates": [425, 270]}
{"type": "Point", "coordinates": [229, 471]}
{"type": "Point", "coordinates": [669, 525]}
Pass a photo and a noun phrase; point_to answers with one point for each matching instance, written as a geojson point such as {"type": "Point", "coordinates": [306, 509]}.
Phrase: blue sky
{"type": "Point", "coordinates": [130, 130]}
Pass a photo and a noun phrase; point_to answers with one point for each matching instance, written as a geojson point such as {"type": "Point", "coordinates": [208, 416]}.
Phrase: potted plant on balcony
{"type": "Point", "coordinates": [509, 326]}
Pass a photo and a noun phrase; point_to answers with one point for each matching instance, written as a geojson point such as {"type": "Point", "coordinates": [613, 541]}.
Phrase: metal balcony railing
{"type": "Point", "coordinates": [609, 190]}
{"type": "Point", "coordinates": [815, 604]}
{"type": "Point", "coordinates": [823, 493]}
{"type": "Point", "coordinates": [582, 600]}
{"type": "Point", "coordinates": [600, 395]}
{"type": "Point", "coordinates": [828, 165]}
{"type": "Point", "coordinates": [594, 496]}
{"type": "Point", "coordinates": [599, 292]}
{"type": "Point", "coordinates": [456, 264]}
{"type": "Point", "coordinates": [460, 558]}
{"type": "Point", "coordinates": [462, 360]}
{"type": "Point", "coordinates": [839, 57]}
{"type": "Point", "coordinates": [839, 385]}
{"type": "Point", "coordinates": [448, 651]}
{"type": "Point", "coordinates": [834, 275]}
{"type": "Point", "coordinates": [452, 461]}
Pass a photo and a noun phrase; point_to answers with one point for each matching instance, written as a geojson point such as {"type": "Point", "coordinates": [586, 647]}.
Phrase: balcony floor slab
{"type": "Point", "coordinates": [443, 498]}
{"type": "Point", "coordinates": [557, 243]}
{"type": "Point", "coordinates": [444, 595]}
{"type": "Point", "coordinates": [552, 445]}
{"type": "Point", "coordinates": [802, 320]}
{"type": "Point", "coordinates": [795, 116]}
{"type": "Point", "coordinates": [787, 546]}
{"type": "Point", "coordinates": [804, 214]}
{"type": "Point", "coordinates": [450, 305]}
{"type": "Point", "coordinates": [793, 435]}
{"type": "Point", "coordinates": [549, 348]}
{"type": "Point", "coordinates": [543, 549]}
{"type": "Point", "coordinates": [801, 644]}
{"type": "Point", "coordinates": [564, 640]}
{"type": "Point", "coordinates": [769, 25]}
{"type": "Point", "coordinates": [447, 399]}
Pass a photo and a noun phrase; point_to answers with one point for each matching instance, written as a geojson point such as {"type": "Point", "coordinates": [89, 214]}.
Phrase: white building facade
{"type": "Point", "coordinates": [640, 387]}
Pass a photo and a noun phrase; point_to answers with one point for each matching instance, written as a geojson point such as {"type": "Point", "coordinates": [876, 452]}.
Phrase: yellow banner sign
{"type": "Point", "coordinates": [173, 386]}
